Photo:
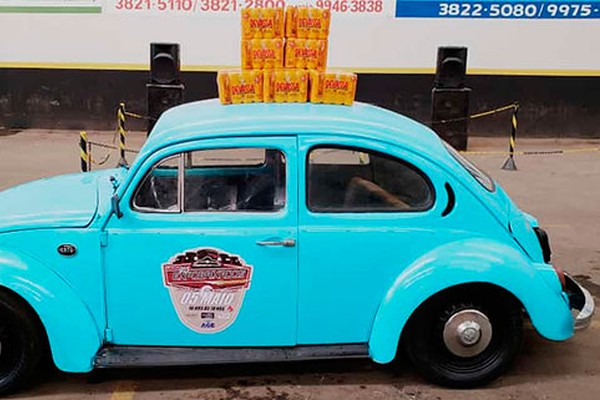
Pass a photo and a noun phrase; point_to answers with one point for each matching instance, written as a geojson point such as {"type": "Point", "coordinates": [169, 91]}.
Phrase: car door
{"type": "Point", "coordinates": [204, 254]}
{"type": "Point", "coordinates": [367, 211]}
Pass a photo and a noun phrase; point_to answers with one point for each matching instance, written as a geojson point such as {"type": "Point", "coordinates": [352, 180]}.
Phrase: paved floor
{"type": "Point", "coordinates": [563, 191]}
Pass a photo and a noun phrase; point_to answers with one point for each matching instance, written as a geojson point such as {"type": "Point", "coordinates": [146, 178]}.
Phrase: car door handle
{"type": "Point", "coordinates": [282, 243]}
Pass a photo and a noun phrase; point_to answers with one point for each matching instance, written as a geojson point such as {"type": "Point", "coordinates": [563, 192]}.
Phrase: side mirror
{"type": "Point", "coordinates": [115, 206]}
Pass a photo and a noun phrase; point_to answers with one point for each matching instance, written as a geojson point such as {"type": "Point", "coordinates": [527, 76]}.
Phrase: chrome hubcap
{"type": "Point", "coordinates": [467, 333]}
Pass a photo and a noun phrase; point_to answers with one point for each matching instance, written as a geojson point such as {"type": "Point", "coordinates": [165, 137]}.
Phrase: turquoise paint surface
{"type": "Point", "coordinates": [351, 278]}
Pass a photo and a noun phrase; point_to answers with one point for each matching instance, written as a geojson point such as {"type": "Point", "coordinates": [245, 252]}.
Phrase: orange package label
{"type": "Point", "coordinates": [307, 23]}
{"type": "Point", "coordinates": [262, 53]}
{"type": "Point", "coordinates": [236, 86]}
{"type": "Point", "coordinates": [262, 23]}
{"type": "Point", "coordinates": [286, 86]}
{"type": "Point", "coordinates": [332, 87]}
{"type": "Point", "coordinates": [306, 54]}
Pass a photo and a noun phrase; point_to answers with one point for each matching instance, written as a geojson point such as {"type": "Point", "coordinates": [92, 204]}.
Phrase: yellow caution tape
{"type": "Point", "coordinates": [533, 152]}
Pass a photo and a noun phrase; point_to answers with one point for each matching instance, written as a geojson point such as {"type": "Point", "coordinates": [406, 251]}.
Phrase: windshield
{"type": "Point", "coordinates": [480, 176]}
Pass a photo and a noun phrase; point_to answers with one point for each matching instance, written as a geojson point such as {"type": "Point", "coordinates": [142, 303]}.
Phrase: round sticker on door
{"type": "Point", "coordinates": [207, 288]}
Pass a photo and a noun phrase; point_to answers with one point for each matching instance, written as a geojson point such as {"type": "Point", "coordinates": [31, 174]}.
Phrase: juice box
{"type": "Point", "coordinates": [262, 53]}
{"type": "Point", "coordinates": [332, 87]}
{"type": "Point", "coordinates": [238, 86]}
{"type": "Point", "coordinates": [286, 86]}
{"type": "Point", "coordinates": [307, 23]}
{"type": "Point", "coordinates": [306, 54]}
{"type": "Point", "coordinates": [262, 23]}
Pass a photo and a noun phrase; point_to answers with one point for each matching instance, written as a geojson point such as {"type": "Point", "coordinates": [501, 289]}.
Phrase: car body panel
{"type": "Point", "coordinates": [267, 316]}
{"type": "Point", "coordinates": [469, 261]}
{"type": "Point", "coordinates": [353, 278]}
{"type": "Point", "coordinates": [72, 328]}
{"type": "Point", "coordinates": [39, 204]}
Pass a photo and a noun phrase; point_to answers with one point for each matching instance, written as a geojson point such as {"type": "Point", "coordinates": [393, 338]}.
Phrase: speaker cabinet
{"type": "Point", "coordinates": [449, 115]}
{"type": "Point", "coordinates": [160, 99]}
{"type": "Point", "coordinates": [451, 67]}
{"type": "Point", "coordinates": [165, 63]}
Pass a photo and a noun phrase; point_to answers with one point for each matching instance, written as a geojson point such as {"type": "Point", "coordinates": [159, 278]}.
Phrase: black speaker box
{"type": "Point", "coordinates": [451, 67]}
{"type": "Point", "coordinates": [165, 63]}
{"type": "Point", "coordinates": [449, 115]}
{"type": "Point", "coordinates": [161, 98]}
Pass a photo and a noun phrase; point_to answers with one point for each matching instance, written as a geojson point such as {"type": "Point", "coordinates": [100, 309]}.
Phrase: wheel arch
{"type": "Point", "coordinates": [68, 325]}
{"type": "Point", "coordinates": [471, 262]}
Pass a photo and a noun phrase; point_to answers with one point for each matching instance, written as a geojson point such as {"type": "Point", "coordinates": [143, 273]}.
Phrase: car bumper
{"type": "Point", "coordinates": [580, 300]}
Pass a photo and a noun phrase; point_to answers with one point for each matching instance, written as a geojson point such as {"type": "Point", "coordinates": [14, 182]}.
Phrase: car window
{"type": "Point", "coordinates": [479, 175]}
{"type": "Point", "coordinates": [358, 180]}
{"type": "Point", "coordinates": [159, 189]}
{"type": "Point", "coordinates": [240, 179]}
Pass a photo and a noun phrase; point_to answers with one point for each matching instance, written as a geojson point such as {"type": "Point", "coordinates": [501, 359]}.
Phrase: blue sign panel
{"type": "Point", "coordinates": [498, 9]}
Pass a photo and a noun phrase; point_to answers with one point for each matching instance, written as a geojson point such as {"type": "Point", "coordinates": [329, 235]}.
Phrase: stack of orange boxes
{"type": "Point", "coordinates": [277, 68]}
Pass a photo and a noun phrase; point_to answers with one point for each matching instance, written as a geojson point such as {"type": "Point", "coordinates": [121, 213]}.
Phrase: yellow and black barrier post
{"type": "Point", "coordinates": [84, 153]}
{"type": "Point", "coordinates": [122, 133]}
{"type": "Point", "coordinates": [510, 164]}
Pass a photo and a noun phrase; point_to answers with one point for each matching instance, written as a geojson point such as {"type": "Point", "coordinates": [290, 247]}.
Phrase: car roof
{"type": "Point", "coordinates": [209, 118]}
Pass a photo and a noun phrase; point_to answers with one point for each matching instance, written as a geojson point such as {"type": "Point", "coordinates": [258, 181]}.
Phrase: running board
{"type": "Point", "coordinates": [142, 356]}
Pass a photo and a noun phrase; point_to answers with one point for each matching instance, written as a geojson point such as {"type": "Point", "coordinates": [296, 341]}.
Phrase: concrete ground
{"type": "Point", "coordinates": [563, 191]}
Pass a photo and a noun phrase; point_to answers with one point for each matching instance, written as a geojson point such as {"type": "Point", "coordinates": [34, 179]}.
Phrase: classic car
{"type": "Point", "coordinates": [277, 232]}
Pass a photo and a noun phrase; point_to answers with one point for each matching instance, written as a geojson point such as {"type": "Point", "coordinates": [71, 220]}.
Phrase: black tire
{"type": "Point", "coordinates": [21, 344]}
{"type": "Point", "coordinates": [424, 337]}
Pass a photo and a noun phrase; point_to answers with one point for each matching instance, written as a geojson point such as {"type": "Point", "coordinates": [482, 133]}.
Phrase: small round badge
{"type": "Point", "coordinates": [67, 249]}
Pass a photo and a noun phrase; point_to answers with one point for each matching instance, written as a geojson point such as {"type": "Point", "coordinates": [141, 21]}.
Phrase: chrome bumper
{"type": "Point", "coordinates": [581, 300]}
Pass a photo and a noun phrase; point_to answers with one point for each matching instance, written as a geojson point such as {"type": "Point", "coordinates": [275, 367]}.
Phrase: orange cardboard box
{"type": "Point", "coordinates": [237, 86]}
{"type": "Point", "coordinates": [307, 23]}
{"type": "Point", "coordinates": [286, 86]}
{"type": "Point", "coordinates": [332, 87]}
{"type": "Point", "coordinates": [306, 54]}
{"type": "Point", "coordinates": [262, 23]}
{"type": "Point", "coordinates": [262, 53]}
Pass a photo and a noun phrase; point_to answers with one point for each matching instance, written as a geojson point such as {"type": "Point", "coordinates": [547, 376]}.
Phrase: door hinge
{"type": "Point", "coordinates": [103, 239]}
{"type": "Point", "coordinates": [108, 335]}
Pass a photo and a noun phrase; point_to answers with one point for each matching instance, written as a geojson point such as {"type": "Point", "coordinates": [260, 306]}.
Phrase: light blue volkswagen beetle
{"type": "Point", "coordinates": [271, 232]}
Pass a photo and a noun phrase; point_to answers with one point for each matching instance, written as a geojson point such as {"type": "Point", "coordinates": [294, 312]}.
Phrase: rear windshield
{"type": "Point", "coordinates": [480, 176]}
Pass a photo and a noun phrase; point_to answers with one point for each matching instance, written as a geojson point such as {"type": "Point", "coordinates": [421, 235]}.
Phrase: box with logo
{"type": "Point", "coordinates": [262, 23]}
{"type": "Point", "coordinates": [286, 86]}
{"type": "Point", "coordinates": [240, 86]}
{"type": "Point", "coordinates": [332, 87]}
{"type": "Point", "coordinates": [306, 54]}
{"type": "Point", "coordinates": [307, 23]}
{"type": "Point", "coordinates": [262, 53]}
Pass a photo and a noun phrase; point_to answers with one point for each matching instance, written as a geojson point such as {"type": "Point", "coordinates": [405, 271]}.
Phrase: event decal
{"type": "Point", "coordinates": [207, 287]}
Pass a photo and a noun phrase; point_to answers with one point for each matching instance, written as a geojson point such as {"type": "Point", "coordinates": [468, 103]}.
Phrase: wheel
{"type": "Point", "coordinates": [21, 344]}
{"type": "Point", "coordinates": [465, 338]}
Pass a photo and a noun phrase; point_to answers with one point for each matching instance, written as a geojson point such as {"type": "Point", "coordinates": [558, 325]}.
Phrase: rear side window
{"type": "Point", "coordinates": [479, 175]}
{"type": "Point", "coordinates": [356, 180]}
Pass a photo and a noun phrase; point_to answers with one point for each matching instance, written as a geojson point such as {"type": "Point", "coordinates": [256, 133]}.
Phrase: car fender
{"type": "Point", "coordinates": [73, 335]}
{"type": "Point", "coordinates": [469, 261]}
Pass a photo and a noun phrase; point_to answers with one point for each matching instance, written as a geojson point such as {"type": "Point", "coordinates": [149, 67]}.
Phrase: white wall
{"type": "Point", "coordinates": [377, 42]}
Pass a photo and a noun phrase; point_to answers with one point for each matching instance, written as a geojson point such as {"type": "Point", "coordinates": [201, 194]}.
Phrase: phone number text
{"type": "Point", "coordinates": [500, 10]}
{"type": "Point", "coordinates": [227, 6]}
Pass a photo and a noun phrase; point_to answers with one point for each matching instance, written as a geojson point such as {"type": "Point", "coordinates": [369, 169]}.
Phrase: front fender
{"type": "Point", "coordinates": [475, 260]}
{"type": "Point", "coordinates": [72, 332]}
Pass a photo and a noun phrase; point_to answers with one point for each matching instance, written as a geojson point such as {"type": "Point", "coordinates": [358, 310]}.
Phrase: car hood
{"type": "Point", "coordinates": [67, 201]}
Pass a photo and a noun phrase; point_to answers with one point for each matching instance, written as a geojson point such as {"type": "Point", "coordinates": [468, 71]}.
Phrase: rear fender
{"type": "Point", "coordinates": [470, 261]}
{"type": "Point", "coordinates": [72, 332]}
